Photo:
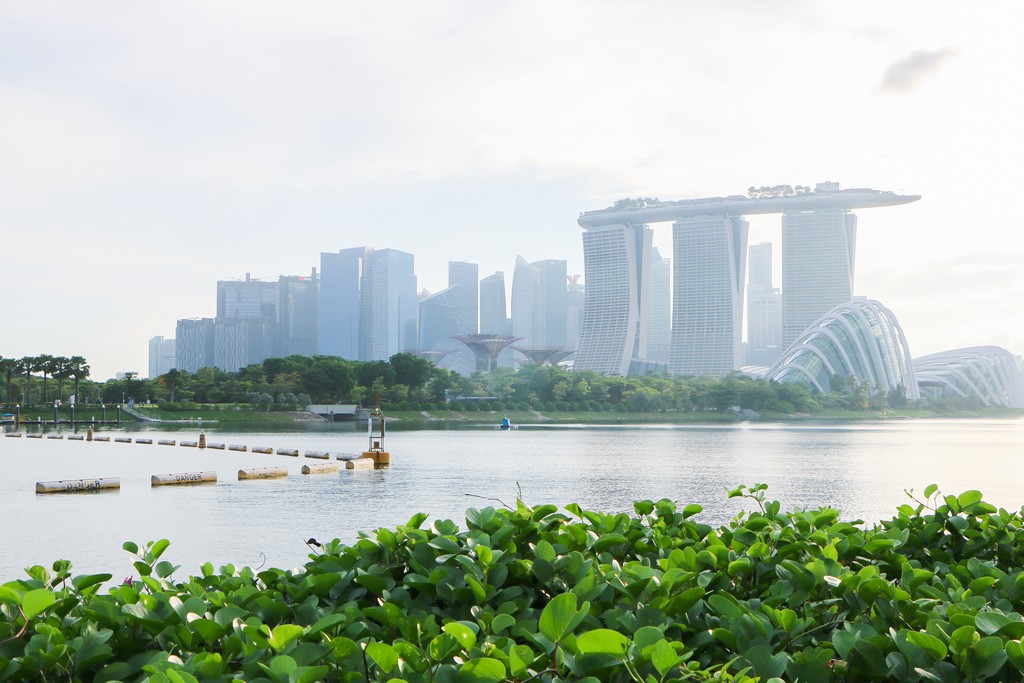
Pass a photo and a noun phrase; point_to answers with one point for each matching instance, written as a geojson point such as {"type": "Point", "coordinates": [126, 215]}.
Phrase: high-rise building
{"type": "Point", "coordinates": [764, 308]}
{"type": "Point", "coordinates": [161, 356]}
{"type": "Point", "coordinates": [257, 302]}
{"type": "Point", "coordinates": [494, 305]}
{"type": "Point", "coordinates": [388, 304]}
{"type": "Point", "coordinates": [659, 309]}
{"type": "Point", "coordinates": [440, 319]}
{"type": "Point", "coordinates": [539, 303]}
{"type": "Point", "coordinates": [575, 299]}
{"type": "Point", "coordinates": [340, 283]}
{"type": "Point", "coordinates": [710, 254]}
{"type": "Point", "coordinates": [194, 343]}
{"type": "Point", "coordinates": [818, 249]}
{"type": "Point", "coordinates": [465, 278]}
{"type": "Point", "coordinates": [298, 313]}
{"type": "Point", "coordinates": [616, 261]}
{"type": "Point", "coordinates": [494, 318]}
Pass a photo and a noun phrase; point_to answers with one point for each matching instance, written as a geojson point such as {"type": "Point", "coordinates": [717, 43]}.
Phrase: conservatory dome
{"type": "Point", "coordinates": [988, 373]}
{"type": "Point", "coordinates": [859, 340]}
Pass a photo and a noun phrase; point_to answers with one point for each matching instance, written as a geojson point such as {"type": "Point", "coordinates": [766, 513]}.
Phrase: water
{"type": "Point", "coordinates": [860, 467]}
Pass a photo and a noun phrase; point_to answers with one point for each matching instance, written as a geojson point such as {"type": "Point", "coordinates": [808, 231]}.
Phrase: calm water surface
{"type": "Point", "coordinates": [862, 468]}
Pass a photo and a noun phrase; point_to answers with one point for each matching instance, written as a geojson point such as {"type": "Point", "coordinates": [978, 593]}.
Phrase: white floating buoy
{"type": "Point", "coordinates": [360, 464]}
{"type": "Point", "coordinates": [78, 485]}
{"type": "Point", "coordinates": [183, 478]}
{"type": "Point", "coordinates": [320, 468]}
{"type": "Point", "coordinates": [288, 451]}
{"type": "Point", "coordinates": [263, 473]}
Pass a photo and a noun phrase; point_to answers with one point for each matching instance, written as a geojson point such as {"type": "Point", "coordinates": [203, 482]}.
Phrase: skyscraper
{"type": "Point", "coordinates": [575, 298]}
{"type": "Point", "coordinates": [659, 309]}
{"type": "Point", "coordinates": [465, 278]}
{"type": "Point", "coordinates": [340, 282]}
{"type": "Point", "coordinates": [539, 303]}
{"type": "Point", "coordinates": [764, 308]}
{"type": "Point", "coordinates": [493, 305]}
{"type": "Point", "coordinates": [710, 254]}
{"type": "Point", "coordinates": [161, 356]}
{"type": "Point", "coordinates": [194, 342]}
{"type": "Point", "coordinates": [818, 249]}
{"type": "Point", "coordinates": [389, 306]}
{"type": "Point", "coordinates": [257, 303]}
{"type": "Point", "coordinates": [439, 320]}
{"type": "Point", "coordinates": [298, 311]}
{"type": "Point", "coordinates": [616, 261]}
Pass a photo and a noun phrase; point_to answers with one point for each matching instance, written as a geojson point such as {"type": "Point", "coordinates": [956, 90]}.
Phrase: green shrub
{"type": "Point", "coordinates": [534, 593]}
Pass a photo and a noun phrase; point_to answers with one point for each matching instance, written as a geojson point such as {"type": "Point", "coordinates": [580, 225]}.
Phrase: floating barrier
{"type": "Point", "coordinates": [179, 478]}
{"type": "Point", "coordinates": [320, 468]}
{"type": "Point", "coordinates": [263, 473]}
{"type": "Point", "coordinates": [76, 437]}
{"type": "Point", "coordinates": [146, 441]}
{"type": "Point", "coordinates": [323, 455]}
{"type": "Point", "coordinates": [288, 451]}
{"type": "Point", "coordinates": [122, 439]}
{"type": "Point", "coordinates": [167, 442]}
{"type": "Point", "coordinates": [359, 464]}
{"type": "Point", "coordinates": [101, 438]}
{"type": "Point", "coordinates": [54, 436]}
{"type": "Point", "coordinates": [218, 446]}
{"type": "Point", "coordinates": [236, 447]}
{"type": "Point", "coordinates": [189, 444]}
{"type": "Point", "coordinates": [13, 435]}
{"type": "Point", "coordinates": [262, 449]}
{"type": "Point", "coordinates": [78, 485]}
{"type": "Point", "coordinates": [35, 436]}
{"type": "Point", "coordinates": [202, 439]}
{"type": "Point", "coordinates": [88, 434]}
{"type": "Point", "coordinates": [379, 458]}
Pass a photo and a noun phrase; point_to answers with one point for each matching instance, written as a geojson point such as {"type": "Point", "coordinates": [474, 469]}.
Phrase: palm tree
{"type": "Point", "coordinates": [44, 364]}
{"type": "Point", "coordinates": [61, 372]}
{"type": "Point", "coordinates": [9, 366]}
{"type": "Point", "coordinates": [27, 365]}
{"type": "Point", "coordinates": [79, 371]}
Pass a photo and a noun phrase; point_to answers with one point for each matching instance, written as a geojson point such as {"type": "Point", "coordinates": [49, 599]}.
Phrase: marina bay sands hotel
{"type": "Point", "coordinates": [709, 238]}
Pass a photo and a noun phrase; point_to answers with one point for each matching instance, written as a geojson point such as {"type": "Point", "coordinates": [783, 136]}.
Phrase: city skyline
{"type": "Point", "coordinates": [144, 158]}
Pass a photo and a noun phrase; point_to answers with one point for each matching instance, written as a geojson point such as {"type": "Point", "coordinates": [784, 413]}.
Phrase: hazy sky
{"type": "Point", "coordinates": [148, 150]}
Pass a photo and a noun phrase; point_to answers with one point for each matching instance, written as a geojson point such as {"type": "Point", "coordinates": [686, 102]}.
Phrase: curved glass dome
{"type": "Point", "coordinates": [861, 339]}
{"type": "Point", "coordinates": [988, 373]}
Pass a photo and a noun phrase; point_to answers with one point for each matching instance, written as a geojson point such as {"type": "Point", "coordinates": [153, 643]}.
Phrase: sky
{"type": "Point", "coordinates": [148, 150]}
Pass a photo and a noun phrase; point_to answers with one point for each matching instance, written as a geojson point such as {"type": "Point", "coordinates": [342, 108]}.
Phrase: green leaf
{"type": "Point", "coordinates": [560, 617]}
{"type": "Point", "coordinates": [35, 601]}
{"type": "Point", "coordinates": [968, 498]}
{"type": "Point", "coordinates": [131, 547]}
{"type": "Point", "coordinates": [602, 641]}
{"type": "Point", "coordinates": [383, 654]}
{"type": "Point", "coordinates": [156, 549]}
{"type": "Point", "coordinates": [89, 580]}
{"type": "Point", "coordinates": [990, 623]}
{"type": "Point", "coordinates": [930, 644]}
{"type": "Point", "coordinates": [483, 670]}
{"type": "Point", "coordinates": [663, 657]}
{"type": "Point", "coordinates": [1015, 652]}
{"type": "Point", "coordinates": [283, 635]}
{"type": "Point", "coordinates": [502, 622]}
{"type": "Point", "coordinates": [930, 489]}
{"type": "Point", "coordinates": [691, 510]}
{"type": "Point", "coordinates": [766, 665]}
{"type": "Point", "coordinates": [461, 633]}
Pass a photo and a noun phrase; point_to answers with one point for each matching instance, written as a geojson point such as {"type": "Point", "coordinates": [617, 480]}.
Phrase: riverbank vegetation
{"type": "Point", "coordinates": [535, 593]}
{"type": "Point", "coordinates": [414, 388]}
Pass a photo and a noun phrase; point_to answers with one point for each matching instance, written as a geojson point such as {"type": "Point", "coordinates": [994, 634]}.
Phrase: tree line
{"type": "Point", "coordinates": [409, 382]}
